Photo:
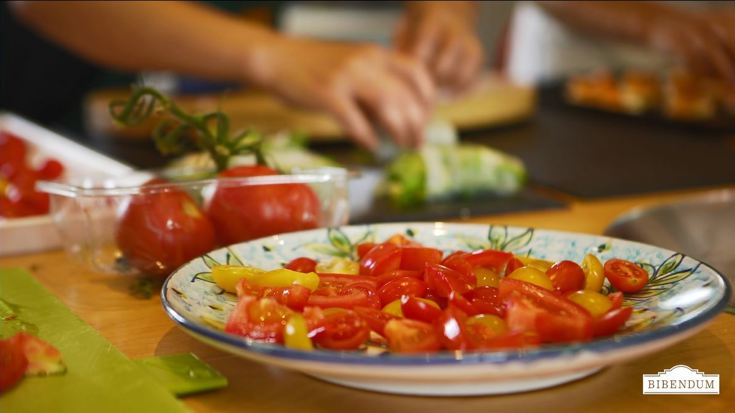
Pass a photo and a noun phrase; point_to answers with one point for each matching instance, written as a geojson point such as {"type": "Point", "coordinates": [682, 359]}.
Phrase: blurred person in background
{"type": "Point", "coordinates": [54, 52]}
{"type": "Point", "coordinates": [551, 40]}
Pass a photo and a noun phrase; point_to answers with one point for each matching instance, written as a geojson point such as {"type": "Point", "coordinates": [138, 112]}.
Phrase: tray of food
{"type": "Point", "coordinates": [29, 153]}
{"type": "Point", "coordinates": [677, 96]}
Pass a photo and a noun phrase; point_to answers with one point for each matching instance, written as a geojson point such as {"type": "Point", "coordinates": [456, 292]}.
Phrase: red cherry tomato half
{"type": "Point", "coordinates": [363, 249]}
{"type": "Point", "coordinates": [342, 280]}
{"type": "Point", "coordinates": [513, 265]}
{"type": "Point", "coordinates": [460, 302]}
{"type": "Point", "coordinates": [486, 300]}
{"type": "Point", "coordinates": [260, 319]}
{"type": "Point", "coordinates": [625, 275]}
{"type": "Point", "coordinates": [160, 231]}
{"type": "Point", "coordinates": [450, 328]}
{"type": "Point", "coordinates": [13, 363]}
{"type": "Point", "coordinates": [375, 318]}
{"type": "Point", "coordinates": [342, 330]}
{"type": "Point", "coordinates": [294, 297]}
{"type": "Point", "coordinates": [415, 309]}
{"type": "Point", "coordinates": [616, 299]}
{"type": "Point", "coordinates": [442, 280]}
{"type": "Point", "coordinates": [302, 264]}
{"type": "Point", "coordinates": [411, 336]}
{"type": "Point", "coordinates": [241, 213]}
{"type": "Point", "coordinates": [458, 262]}
{"type": "Point", "coordinates": [397, 288]}
{"type": "Point", "coordinates": [346, 297]}
{"type": "Point", "coordinates": [384, 278]}
{"type": "Point", "coordinates": [493, 259]}
{"type": "Point", "coordinates": [566, 276]}
{"type": "Point", "coordinates": [381, 259]}
{"type": "Point", "coordinates": [51, 169]}
{"type": "Point", "coordinates": [611, 322]}
{"type": "Point", "coordinates": [416, 258]}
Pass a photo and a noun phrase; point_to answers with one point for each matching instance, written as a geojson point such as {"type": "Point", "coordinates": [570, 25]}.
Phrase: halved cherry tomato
{"type": "Point", "coordinates": [419, 309]}
{"type": "Point", "coordinates": [342, 330]}
{"type": "Point", "coordinates": [625, 275]}
{"type": "Point", "coordinates": [260, 319]}
{"type": "Point", "coordinates": [50, 169]}
{"type": "Point", "coordinates": [347, 296]}
{"type": "Point", "coordinates": [163, 229]}
{"type": "Point", "coordinates": [566, 276]}
{"type": "Point", "coordinates": [341, 280]}
{"type": "Point", "coordinates": [302, 264]}
{"type": "Point", "coordinates": [411, 336]}
{"type": "Point", "coordinates": [486, 277]}
{"type": "Point", "coordinates": [442, 280]}
{"type": "Point", "coordinates": [381, 259]}
{"type": "Point", "coordinates": [294, 297]}
{"type": "Point", "coordinates": [594, 275]}
{"type": "Point", "coordinates": [532, 275]}
{"type": "Point", "coordinates": [416, 258]}
{"type": "Point", "coordinates": [375, 318]}
{"type": "Point", "coordinates": [513, 265]}
{"type": "Point", "coordinates": [458, 262]}
{"type": "Point", "coordinates": [458, 301]}
{"type": "Point", "coordinates": [489, 258]}
{"type": "Point", "coordinates": [395, 289]}
{"type": "Point", "coordinates": [450, 328]}
{"type": "Point", "coordinates": [13, 363]}
{"type": "Point", "coordinates": [595, 303]}
{"type": "Point", "coordinates": [611, 322]}
{"type": "Point", "coordinates": [533, 308]}
{"type": "Point", "coordinates": [486, 300]}
{"type": "Point", "coordinates": [389, 276]}
{"type": "Point", "coordinates": [363, 248]}
{"type": "Point", "coordinates": [616, 299]}
{"type": "Point", "coordinates": [483, 328]}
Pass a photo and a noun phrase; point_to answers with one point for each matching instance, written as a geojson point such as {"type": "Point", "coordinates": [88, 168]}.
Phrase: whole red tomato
{"type": "Point", "coordinates": [241, 213]}
{"type": "Point", "coordinates": [161, 230]}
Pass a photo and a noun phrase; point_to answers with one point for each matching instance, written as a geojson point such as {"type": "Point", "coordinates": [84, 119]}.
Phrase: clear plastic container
{"type": "Point", "coordinates": [90, 213]}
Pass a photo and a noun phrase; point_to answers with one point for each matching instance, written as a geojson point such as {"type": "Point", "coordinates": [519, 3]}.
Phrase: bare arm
{"type": "Point", "coordinates": [690, 35]}
{"type": "Point", "coordinates": [358, 84]}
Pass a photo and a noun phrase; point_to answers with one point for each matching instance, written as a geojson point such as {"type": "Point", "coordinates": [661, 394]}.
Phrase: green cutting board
{"type": "Point", "coordinates": [98, 378]}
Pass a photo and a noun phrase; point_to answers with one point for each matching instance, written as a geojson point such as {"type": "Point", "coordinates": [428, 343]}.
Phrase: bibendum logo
{"type": "Point", "coordinates": [681, 379]}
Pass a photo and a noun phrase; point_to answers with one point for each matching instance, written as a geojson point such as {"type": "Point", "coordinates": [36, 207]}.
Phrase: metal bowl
{"type": "Point", "coordinates": [702, 227]}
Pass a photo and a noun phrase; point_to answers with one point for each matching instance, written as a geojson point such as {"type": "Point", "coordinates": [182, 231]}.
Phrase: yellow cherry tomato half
{"type": "Point", "coordinates": [286, 278]}
{"type": "Point", "coordinates": [532, 275]}
{"type": "Point", "coordinates": [394, 307]}
{"type": "Point", "coordinates": [594, 274]}
{"type": "Point", "coordinates": [493, 322]}
{"type": "Point", "coordinates": [227, 276]}
{"type": "Point", "coordinates": [296, 333]}
{"type": "Point", "coordinates": [486, 277]}
{"type": "Point", "coordinates": [537, 263]}
{"type": "Point", "coordinates": [592, 301]}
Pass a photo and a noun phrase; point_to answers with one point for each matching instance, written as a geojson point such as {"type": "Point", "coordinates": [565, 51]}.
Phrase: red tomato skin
{"type": "Point", "coordinates": [382, 258]}
{"type": "Point", "coordinates": [486, 300]}
{"type": "Point", "coordinates": [450, 328]}
{"type": "Point", "coordinates": [616, 299]}
{"type": "Point", "coordinates": [457, 261]}
{"type": "Point", "coordinates": [341, 280]}
{"type": "Point", "coordinates": [611, 322]}
{"type": "Point", "coordinates": [389, 276]}
{"type": "Point", "coordinates": [397, 288]}
{"type": "Point", "coordinates": [161, 231]}
{"type": "Point", "coordinates": [416, 258]}
{"type": "Point", "coordinates": [248, 212]}
{"type": "Point", "coordinates": [242, 322]}
{"type": "Point", "coordinates": [13, 362]}
{"type": "Point", "coordinates": [493, 259]}
{"type": "Point", "coordinates": [294, 297]}
{"type": "Point", "coordinates": [302, 264]}
{"type": "Point", "coordinates": [344, 330]}
{"type": "Point", "coordinates": [411, 336]}
{"type": "Point", "coordinates": [513, 265]}
{"type": "Point", "coordinates": [460, 302]}
{"type": "Point", "coordinates": [625, 276]}
{"type": "Point", "coordinates": [442, 280]}
{"type": "Point", "coordinates": [363, 249]}
{"type": "Point", "coordinates": [566, 276]}
{"type": "Point", "coordinates": [375, 318]}
{"type": "Point", "coordinates": [346, 297]}
{"type": "Point", "coordinates": [415, 309]}
{"type": "Point", "coordinates": [51, 169]}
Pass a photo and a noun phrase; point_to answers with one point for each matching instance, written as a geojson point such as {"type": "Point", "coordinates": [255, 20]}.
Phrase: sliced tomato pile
{"type": "Point", "coordinates": [410, 298]}
{"type": "Point", "coordinates": [18, 196]}
{"type": "Point", "coordinates": [24, 354]}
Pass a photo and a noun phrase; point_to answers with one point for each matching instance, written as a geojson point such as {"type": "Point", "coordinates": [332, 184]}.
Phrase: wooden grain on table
{"type": "Point", "coordinates": [140, 328]}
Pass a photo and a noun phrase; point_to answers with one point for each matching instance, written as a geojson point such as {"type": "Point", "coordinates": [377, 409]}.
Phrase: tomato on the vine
{"type": "Point", "coordinates": [241, 213]}
{"type": "Point", "coordinates": [163, 228]}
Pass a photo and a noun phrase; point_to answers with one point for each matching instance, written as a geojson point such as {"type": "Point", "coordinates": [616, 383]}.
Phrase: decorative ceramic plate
{"type": "Point", "coordinates": [682, 295]}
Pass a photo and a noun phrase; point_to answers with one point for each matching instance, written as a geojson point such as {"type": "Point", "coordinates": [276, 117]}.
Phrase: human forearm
{"type": "Point", "coordinates": [184, 37]}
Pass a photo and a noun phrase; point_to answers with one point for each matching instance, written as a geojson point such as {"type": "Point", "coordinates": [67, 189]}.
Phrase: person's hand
{"type": "Point", "coordinates": [705, 40]}
{"type": "Point", "coordinates": [356, 83]}
{"type": "Point", "coordinates": [442, 35]}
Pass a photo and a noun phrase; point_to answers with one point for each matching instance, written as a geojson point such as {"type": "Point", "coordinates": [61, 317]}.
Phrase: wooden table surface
{"type": "Point", "coordinates": [140, 328]}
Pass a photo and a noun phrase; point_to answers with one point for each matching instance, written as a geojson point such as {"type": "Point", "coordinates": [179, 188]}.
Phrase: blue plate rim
{"type": "Point", "coordinates": [451, 358]}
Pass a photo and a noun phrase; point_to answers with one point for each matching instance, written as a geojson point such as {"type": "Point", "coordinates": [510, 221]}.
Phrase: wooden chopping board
{"type": "Point", "coordinates": [493, 101]}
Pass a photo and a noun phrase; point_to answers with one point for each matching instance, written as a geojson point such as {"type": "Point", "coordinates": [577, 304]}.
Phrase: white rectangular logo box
{"type": "Point", "coordinates": [681, 379]}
